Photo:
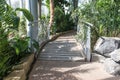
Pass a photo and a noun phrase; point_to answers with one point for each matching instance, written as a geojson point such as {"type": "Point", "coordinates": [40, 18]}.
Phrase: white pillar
{"type": "Point", "coordinates": [27, 5]}
{"type": "Point", "coordinates": [21, 6]}
{"type": "Point", "coordinates": [34, 11]}
{"type": "Point", "coordinates": [32, 29]}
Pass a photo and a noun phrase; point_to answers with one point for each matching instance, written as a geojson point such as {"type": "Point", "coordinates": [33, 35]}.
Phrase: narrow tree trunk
{"type": "Point", "coordinates": [75, 4]}
{"type": "Point", "coordinates": [39, 1]}
{"type": "Point", "coordinates": [51, 12]}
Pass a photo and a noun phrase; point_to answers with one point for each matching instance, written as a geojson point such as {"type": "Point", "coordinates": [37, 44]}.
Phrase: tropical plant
{"type": "Point", "coordinates": [8, 22]}
{"type": "Point", "coordinates": [104, 15]}
{"type": "Point", "coordinates": [22, 26]}
{"type": "Point", "coordinates": [20, 45]}
{"type": "Point", "coordinates": [42, 34]}
{"type": "Point", "coordinates": [62, 20]}
{"type": "Point", "coordinates": [6, 52]}
{"type": "Point", "coordinates": [10, 52]}
{"type": "Point", "coordinates": [26, 13]}
{"type": "Point", "coordinates": [51, 13]}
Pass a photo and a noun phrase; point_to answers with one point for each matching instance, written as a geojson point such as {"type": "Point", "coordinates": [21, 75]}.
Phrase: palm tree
{"type": "Point", "coordinates": [51, 12]}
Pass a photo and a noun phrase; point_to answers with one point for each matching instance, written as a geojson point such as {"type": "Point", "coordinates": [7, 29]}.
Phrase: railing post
{"type": "Point", "coordinates": [84, 34]}
{"type": "Point", "coordinates": [78, 29]}
{"type": "Point", "coordinates": [88, 44]}
{"type": "Point", "coordinates": [48, 32]}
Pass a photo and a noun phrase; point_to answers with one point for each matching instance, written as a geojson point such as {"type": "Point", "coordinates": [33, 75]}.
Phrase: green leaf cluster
{"type": "Point", "coordinates": [103, 14]}
{"type": "Point", "coordinates": [62, 17]}
{"type": "Point", "coordinates": [12, 46]}
{"type": "Point", "coordinates": [26, 13]}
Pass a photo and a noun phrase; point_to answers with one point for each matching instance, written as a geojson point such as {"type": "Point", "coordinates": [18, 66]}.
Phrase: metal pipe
{"type": "Point", "coordinates": [21, 6]}
{"type": "Point", "coordinates": [27, 6]}
{"type": "Point", "coordinates": [34, 11]}
{"type": "Point", "coordinates": [9, 1]}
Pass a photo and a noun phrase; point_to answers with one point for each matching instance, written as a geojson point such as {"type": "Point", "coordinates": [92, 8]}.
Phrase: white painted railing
{"type": "Point", "coordinates": [84, 38]}
{"type": "Point", "coordinates": [42, 33]}
{"type": "Point", "coordinates": [43, 30]}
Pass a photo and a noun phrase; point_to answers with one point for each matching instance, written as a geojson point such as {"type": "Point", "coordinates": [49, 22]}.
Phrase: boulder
{"type": "Point", "coordinates": [115, 55]}
{"type": "Point", "coordinates": [112, 67]}
{"type": "Point", "coordinates": [106, 45]}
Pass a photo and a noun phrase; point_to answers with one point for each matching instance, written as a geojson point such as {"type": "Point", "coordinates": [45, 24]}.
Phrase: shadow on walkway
{"type": "Point", "coordinates": [57, 70]}
{"type": "Point", "coordinates": [68, 70]}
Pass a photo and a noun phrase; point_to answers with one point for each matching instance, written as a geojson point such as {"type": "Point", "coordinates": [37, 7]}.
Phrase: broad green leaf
{"type": "Point", "coordinates": [26, 13]}
{"type": "Point", "coordinates": [17, 51]}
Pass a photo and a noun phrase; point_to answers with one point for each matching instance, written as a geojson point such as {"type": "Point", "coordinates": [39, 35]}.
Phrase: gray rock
{"type": "Point", "coordinates": [112, 67]}
{"type": "Point", "coordinates": [106, 45]}
{"type": "Point", "coordinates": [115, 55]}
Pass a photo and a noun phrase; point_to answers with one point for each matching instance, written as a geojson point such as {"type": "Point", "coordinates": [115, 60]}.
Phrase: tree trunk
{"type": "Point", "coordinates": [51, 12]}
{"type": "Point", "coordinates": [75, 4]}
{"type": "Point", "coordinates": [39, 1]}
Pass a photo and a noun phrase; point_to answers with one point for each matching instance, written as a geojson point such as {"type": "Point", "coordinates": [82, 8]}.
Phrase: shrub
{"type": "Point", "coordinates": [104, 15]}
{"type": "Point", "coordinates": [12, 49]}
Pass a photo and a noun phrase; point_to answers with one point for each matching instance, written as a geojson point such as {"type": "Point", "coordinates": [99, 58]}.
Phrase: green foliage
{"type": "Point", "coordinates": [48, 4]}
{"type": "Point", "coordinates": [63, 22]}
{"type": "Point", "coordinates": [22, 26]}
{"type": "Point", "coordinates": [8, 18]}
{"type": "Point", "coordinates": [26, 13]}
{"type": "Point", "coordinates": [36, 46]}
{"type": "Point", "coordinates": [5, 63]}
{"type": "Point", "coordinates": [61, 4]}
{"type": "Point", "coordinates": [5, 53]}
{"type": "Point", "coordinates": [20, 45]}
{"type": "Point", "coordinates": [62, 18]}
{"type": "Point", "coordinates": [44, 21]}
{"type": "Point", "coordinates": [104, 15]}
{"type": "Point", "coordinates": [12, 49]}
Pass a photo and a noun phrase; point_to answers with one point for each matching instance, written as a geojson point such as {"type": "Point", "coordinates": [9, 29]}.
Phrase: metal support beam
{"type": "Point", "coordinates": [32, 27]}
{"type": "Point", "coordinates": [27, 6]}
{"type": "Point", "coordinates": [21, 6]}
{"type": "Point", "coordinates": [9, 2]}
{"type": "Point", "coordinates": [21, 3]}
{"type": "Point", "coordinates": [34, 11]}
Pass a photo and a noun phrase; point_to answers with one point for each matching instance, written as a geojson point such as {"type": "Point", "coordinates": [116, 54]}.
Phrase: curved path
{"type": "Point", "coordinates": [65, 48]}
{"type": "Point", "coordinates": [62, 60]}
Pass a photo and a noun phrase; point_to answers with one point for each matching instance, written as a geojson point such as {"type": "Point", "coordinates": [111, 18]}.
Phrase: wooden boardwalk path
{"type": "Point", "coordinates": [64, 48]}
{"type": "Point", "coordinates": [62, 60]}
